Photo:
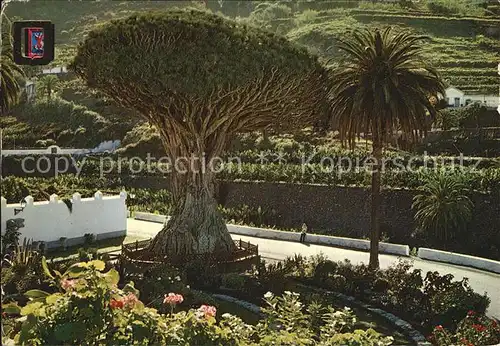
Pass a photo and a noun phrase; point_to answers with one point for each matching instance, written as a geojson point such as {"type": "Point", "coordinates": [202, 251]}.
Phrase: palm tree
{"type": "Point", "coordinates": [48, 84]}
{"type": "Point", "coordinates": [11, 89]}
{"type": "Point", "coordinates": [382, 86]}
{"type": "Point", "coordinates": [442, 206]}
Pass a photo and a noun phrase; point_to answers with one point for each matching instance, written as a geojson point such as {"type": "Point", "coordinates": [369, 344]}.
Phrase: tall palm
{"type": "Point", "coordinates": [10, 87]}
{"type": "Point", "coordinates": [443, 206]}
{"type": "Point", "coordinates": [48, 84]}
{"type": "Point", "coordinates": [382, 86]}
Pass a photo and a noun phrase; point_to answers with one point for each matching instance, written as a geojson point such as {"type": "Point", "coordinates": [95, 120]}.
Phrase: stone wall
{"type": "Point", "coordinates": [344, 208]}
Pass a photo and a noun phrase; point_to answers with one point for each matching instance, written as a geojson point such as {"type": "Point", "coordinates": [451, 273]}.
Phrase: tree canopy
{"type": "Point", "coordinates": [160, 58]}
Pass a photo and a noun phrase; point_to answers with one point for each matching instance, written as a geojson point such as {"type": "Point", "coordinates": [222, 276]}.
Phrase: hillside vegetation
{"type": "Point", "coordinates": [464, 44]}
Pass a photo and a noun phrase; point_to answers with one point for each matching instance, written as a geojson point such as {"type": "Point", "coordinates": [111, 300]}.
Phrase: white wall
{"type": "Point", "coordinates": [460, 259]}
{"type": "Point", "coordinates": [394, 249]}
{"type": "Point", "coordinates": [45, 151]}
{"type": "Point", "coordinates": [48, 221]}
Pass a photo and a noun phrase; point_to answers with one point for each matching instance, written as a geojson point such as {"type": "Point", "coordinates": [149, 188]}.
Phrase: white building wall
{"type": "Point", "coordinates": [105, 217]}
{"type": "Point", "coordinates": [451, 94]}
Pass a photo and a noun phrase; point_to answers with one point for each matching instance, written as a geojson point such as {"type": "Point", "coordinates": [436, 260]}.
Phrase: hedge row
{"type": "Point", "coordinates": [91, 165]}
{"type": "Point", "coordinates": [485, 180]}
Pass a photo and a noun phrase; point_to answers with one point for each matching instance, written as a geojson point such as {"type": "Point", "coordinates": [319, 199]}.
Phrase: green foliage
{"type": "Point", "coordinates": [443, 206]}
{"type": "Point", "coordinates": [474, 329]}
{"type": "Point", "coordinates": [361, 68]}
{"type": "Point", "coordinates": [451, 7]}
{"type": "Point", "coordinates": [449, 300]}
{"type": "Point", "coordinates": [233, 281]}
{"type": "Point", "coordinates": [10, 87]}
{"type": "Point", "coordinates": [12, 234]}
{"type": "Point", "coordinates": [221, 53]}
{"type": "Point", "coordinates": [57, 121]}
{"type": "Point", "coordinates": [90, 308]}
{"type": "Point", "coordinates": [306, 16]}
{"type": "Point", "coordinates": [248, 216]}
{"type": "Point", "coordinates": [265, 12]}
{"type": "Point", "coordinates": [425, 301]}
{"type": "Point", "coordinates": [60, 111]}
{"type": "Point", "coordinates": [22, 270]}
{"type": "Point", "coordinates": [141, 140]}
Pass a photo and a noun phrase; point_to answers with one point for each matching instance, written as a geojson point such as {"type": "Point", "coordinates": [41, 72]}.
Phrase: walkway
{"type": "Point", "coordinates": [479, 280]}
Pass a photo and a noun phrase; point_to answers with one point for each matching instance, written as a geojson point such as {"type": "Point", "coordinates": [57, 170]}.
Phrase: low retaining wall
{"type": "Point", "coordinates": [394, 249]}
{"type": "Point", "coordinates": [464, 260]}
{"type": "Point", "coordinates": [150, 217]}
{"type": "Point", "coordinates": [244, 304]}
{"type": "Point", "coordinates": [49, 221]}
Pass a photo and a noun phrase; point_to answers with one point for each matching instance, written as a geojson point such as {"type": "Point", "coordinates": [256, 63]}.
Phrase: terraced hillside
{"type": "Point", "coordinates": [464, 45]}
{"type": "Point", "coordinates": [465, 50]}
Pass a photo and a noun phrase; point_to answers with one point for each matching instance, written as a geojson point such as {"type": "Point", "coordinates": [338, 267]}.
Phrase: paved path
{"type": "Point", "coordinates": [480, 281]}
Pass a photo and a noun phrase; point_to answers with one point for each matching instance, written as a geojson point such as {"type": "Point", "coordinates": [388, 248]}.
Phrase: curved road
{"type": "Point", "coordinates": [480, 281]}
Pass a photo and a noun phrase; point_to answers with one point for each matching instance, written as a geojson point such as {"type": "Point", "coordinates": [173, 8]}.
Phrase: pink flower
{"type": "Point", "coordinates": [471, 313]}
{"type": "Point", "coordinates": [68, 284]}
{"type": "Point", "coordinates": [130, 299]}
{"type": "Point", "coordinates": [207, 311]}
{"type": "Point", "coordinates": [173, 299]}
{"type": "Point", "coordinates": [440, 327]}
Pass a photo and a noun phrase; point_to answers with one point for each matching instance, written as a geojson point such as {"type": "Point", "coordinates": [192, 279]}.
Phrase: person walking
{"type": "Point", "coordinates": [303, 233]}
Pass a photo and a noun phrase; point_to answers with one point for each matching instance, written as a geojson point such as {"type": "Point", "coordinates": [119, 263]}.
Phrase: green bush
{"type": "Point", "coordinates": [89, 308]}
{"type": "Point", "coordinates": [233, 281]}
{"type": "Point", "coordinates": [425, 301]}
{"type": "Point", "coordinates": [449, 300]}
{"type": "Point", "coordinates": [474, 329]}
{"type": "Point", "coordinates": [443, 206]}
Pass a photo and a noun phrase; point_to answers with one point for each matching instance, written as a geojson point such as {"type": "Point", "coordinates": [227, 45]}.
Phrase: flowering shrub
{"type": "Point", "coordinates": [401, 289]}
{"type": "Point", "coordinates": [89, 308]}
{"type": "Point", "coordinates": [474, 330]}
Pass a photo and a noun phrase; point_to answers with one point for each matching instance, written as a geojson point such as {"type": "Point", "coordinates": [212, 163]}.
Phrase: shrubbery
{"type": "Point", "coordinates": [474, 329]}
{"type": "Point", "coordinates": [90, 308]}
{"type": "Point", "coordinates": [424, 300]}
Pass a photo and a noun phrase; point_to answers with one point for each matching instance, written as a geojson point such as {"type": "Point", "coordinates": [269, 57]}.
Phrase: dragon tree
{"type": "Point", "coordinates": [201, 79]}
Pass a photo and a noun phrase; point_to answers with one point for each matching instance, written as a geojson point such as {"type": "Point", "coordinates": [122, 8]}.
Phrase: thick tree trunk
{"type": "Point", "coordinates": [195, 225]}
{"type": "Point", "coordinates": [375, 205]}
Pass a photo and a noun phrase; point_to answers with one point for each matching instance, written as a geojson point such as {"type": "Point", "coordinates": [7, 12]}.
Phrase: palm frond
{"type": "Point", "coordinates": [383, 85]}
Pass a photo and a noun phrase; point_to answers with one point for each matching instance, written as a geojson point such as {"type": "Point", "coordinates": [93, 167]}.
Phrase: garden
{"type": "Point", "coordinates": [268, 87]}
{"type": "Point", "coordinates": [297, 301]}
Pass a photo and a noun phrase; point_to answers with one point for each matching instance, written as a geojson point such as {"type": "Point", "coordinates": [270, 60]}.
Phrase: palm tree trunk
{"type": "Point", "coordinates": [375, 204]}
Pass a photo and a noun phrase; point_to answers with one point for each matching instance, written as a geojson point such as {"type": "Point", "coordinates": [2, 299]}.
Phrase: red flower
{"type": "Point", "coordinates": [479, 327]}
{"type": "Point", "coordinates": [471, 313]}
{"type": "Point", "coordinates": [116, 304]}
{"type": "Point", "coordinates": [440, 327]}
